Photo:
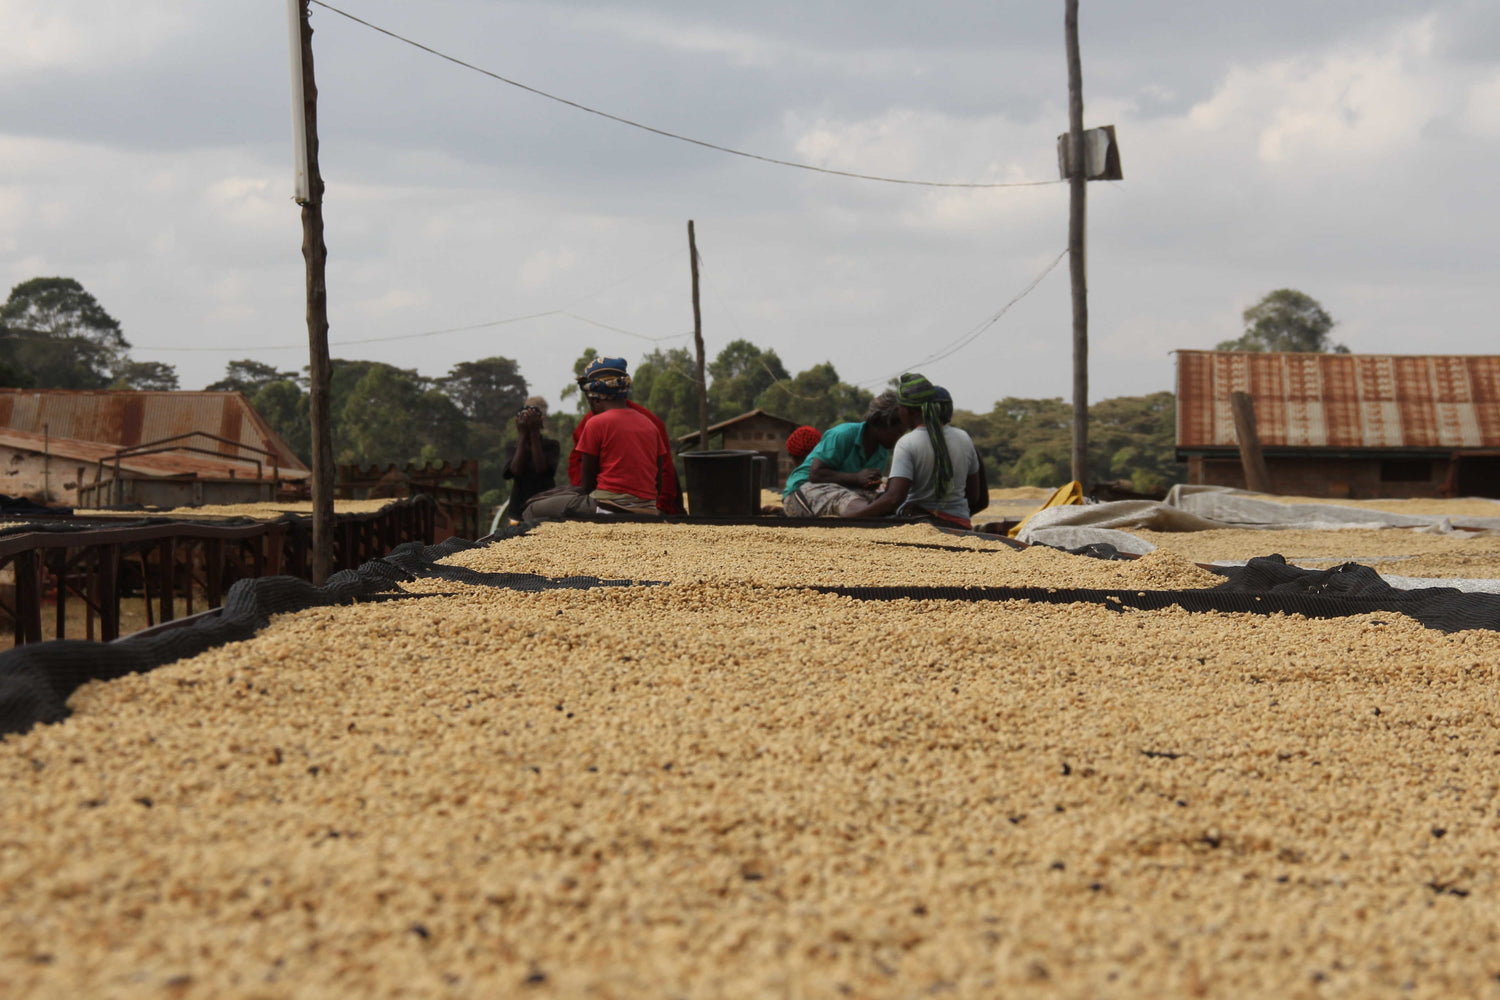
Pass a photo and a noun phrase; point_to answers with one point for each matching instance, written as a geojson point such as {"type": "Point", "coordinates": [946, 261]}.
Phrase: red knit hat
{"type": "Point", "coordinates": [802, 441]}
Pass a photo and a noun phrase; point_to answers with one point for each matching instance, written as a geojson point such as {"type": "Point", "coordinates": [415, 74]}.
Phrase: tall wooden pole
{"type": "Point", "coordinates": [315, 255]}
{"type": "Point", "coordinates": [1252, 459]}
{"type": "Point", "coordinates": [698, 343]}
{"type": "Point", "coordinates": [1077, 183]}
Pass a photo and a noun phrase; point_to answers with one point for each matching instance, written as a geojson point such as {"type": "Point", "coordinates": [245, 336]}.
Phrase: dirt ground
{"type": "Point", "coordinates": [132, 619]}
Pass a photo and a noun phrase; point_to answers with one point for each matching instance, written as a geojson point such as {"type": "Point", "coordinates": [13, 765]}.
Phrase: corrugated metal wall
{"type": "Point", "coordinates": [1341, 400]}
{"type": "Point", "coordinates": [123, 419]}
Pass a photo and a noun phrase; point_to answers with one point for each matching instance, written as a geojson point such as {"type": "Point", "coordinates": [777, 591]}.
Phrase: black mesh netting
{"type": "Point", "coordinates": [37, 679]}
{"type": "Point", "coordinates": [69, 525]}
{"type": "Point", "coordinates": [1263, 586]}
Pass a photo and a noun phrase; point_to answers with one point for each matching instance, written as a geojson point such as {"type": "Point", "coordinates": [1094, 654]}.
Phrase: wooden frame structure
{"type": "Point", "coordinates": [96, 562]}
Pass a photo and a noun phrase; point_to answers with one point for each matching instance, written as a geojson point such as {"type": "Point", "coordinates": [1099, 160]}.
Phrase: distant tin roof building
{"type": "Point", "coordinates": [167, 446]}
{"type": "Point", "coordinates": [1346, 425]}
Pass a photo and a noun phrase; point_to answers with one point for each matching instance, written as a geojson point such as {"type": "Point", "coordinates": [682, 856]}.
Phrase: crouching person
{"type": "Point", "coordinates": [935, 469]}
{"type": "Point", "coordinates": [621, 460]}
{"type": "Point", "coordinates": [846, 465]}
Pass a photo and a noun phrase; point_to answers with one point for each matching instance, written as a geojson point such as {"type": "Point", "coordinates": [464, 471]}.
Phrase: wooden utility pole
{"type": "Point", "coordinates": [1252, 460]}
{"type": "Point", "coordinates": [1077, 183]}
{"type": "Point", "coordinates": [698, 343]}
{"type": "Point", "coordinates": [315, 255]}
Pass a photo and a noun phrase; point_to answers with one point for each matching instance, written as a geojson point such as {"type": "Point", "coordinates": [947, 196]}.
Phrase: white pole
{"type": "Point", "coordinates": [300, 193]}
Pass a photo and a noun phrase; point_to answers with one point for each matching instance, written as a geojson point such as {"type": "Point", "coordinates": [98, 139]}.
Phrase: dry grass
{"type": "Point", "coordinates": [132, 619]}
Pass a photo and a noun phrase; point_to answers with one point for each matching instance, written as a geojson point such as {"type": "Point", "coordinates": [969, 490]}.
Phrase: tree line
{"type": "Point", "coordinates": [384, 414]}
{"type": "Point", "coordinates": [54, 334]}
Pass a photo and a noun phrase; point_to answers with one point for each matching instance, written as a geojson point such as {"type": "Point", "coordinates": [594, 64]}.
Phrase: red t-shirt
{"type": "Point", "coordinates": [629, 450]}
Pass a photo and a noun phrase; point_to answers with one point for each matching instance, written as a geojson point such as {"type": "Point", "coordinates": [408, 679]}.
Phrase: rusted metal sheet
{"type": "Point", "coordinates": [185, 463]}
{"type": "Point", "coordinates": [123, 419]}
{"type": "Point", "coordinates": [1341, 400]}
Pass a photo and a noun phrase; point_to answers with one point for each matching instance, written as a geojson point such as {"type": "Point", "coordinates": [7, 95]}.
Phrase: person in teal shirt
{"type": "Point", "coordinates": [847, 465]}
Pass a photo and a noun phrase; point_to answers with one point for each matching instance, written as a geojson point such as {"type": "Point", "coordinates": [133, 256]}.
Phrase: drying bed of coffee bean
{"type": "Point", "coordinates": [262, 511]}
{"type": "Point", "coordinates": [725, 786]}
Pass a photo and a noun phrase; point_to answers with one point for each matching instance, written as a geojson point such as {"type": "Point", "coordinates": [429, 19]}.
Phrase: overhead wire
{"type": "Point", "coordinates": [463, 329]}
{"type": "Point", "coordinates": [675, 135]}
{"type": "Point", "coordinates": [775, 379]}
{"type": "Point", "coordinates": [944, 353]}
{"type": "Point", "coordinates": [628, 333]}
{"type": "Point", "coordinates": [427, 333]}
{"type": "Point", "coordinates": [953, 347]}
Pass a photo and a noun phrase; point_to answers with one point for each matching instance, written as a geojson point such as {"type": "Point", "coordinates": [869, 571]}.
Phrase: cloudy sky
{"type": "Point", "coordinates": [1346, 148]}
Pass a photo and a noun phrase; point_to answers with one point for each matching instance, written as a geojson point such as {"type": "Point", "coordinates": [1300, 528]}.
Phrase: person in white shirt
{"type": "Point", "coordinates": [935, 469]}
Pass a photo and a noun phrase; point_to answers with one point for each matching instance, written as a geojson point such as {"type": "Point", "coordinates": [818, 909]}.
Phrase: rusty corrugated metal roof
{"type": "Point", "coordinates": [1432, 401]}
{"type": "Point", "coordinates": [128, 418]}
{"type": "Point", "coordinates": [158, 464]}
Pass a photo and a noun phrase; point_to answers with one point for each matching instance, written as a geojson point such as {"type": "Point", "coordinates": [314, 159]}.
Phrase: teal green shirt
{"type": "Point", "coordinates": [840, 450]}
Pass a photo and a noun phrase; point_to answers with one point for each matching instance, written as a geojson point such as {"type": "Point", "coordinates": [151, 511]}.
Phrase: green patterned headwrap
{"type": "Point", "coordinates": [914, 390]}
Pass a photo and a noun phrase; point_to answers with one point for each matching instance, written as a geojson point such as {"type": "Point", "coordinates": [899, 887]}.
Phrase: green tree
{"type": "Point", "coordinates": [1028, 442]}
{"type": "Point", "coordinates": [740, 374]}
{"type": "Point", "coordinates": [1286, 320]}
{"type": "Point", "coordinates": [817, 397]}
{"type": "Point", "coordinates": [58, 336]}
{"type": "Point", "coordinates": [571, 390]}
{"type": "Point", "coordinates": [249, 377]}
{"type": "Point", "coordinates": [389, 415]}
{"type": "Point", "coordinates": [1135, 438]}
{"type": "Point", "coordinates": [11, 374]}
{"type": "Point", "coordinates": [155, 376]}
{"type": "Point", "coordinates": [284, 405]}
{"type": "Point", "coordinates": [1022, 442]}
{"type": "Point", "coordinates": [488, 391]}
{"type": "Point", "coordinates": [443, 433]}
{"type": "Point", "coordinates": [666, 383]}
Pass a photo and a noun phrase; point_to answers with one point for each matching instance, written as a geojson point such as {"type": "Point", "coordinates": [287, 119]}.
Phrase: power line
{"type": "Point", "coordinates": [966, 339]}
{"type": "Point", "coordinates": [673, 135]}
{"type": "Point", "coordinates": [616, 329]}
{"type": "Point", "coordinates": [413, 336]}
{"type": "Point", "coordinates": [776, 380]}
{"type": "Point", "coordinates": [363, 340]}
{"type": "Point", "coordinates": [462, 329]}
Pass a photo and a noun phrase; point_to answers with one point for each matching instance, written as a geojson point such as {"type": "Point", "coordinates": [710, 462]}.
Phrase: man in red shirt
{"type": "Point", "coordinates": [622, 458]}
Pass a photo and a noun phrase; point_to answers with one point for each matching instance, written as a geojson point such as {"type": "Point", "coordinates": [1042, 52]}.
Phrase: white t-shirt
{"type": "Point", "coordinates": [912, 458]}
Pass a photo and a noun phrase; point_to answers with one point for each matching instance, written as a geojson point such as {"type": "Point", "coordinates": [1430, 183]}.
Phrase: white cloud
{"type": "Point", "coordinates": [72, 34]}
{"type": "Point", "coordinates": [743, 48]}
{"type": "Point", "coordinates": [392, 301]}
{"type": "Point", "coordinates": [544, 266]}
{"type": "Point", "coordinates": [246, 202]}
{"type": "Point", "coordinates": [773, 49]}
{"type": "Point", "coordinates": [1305, 171]}
{"type": "Point", "coordinates": [1482, 108]}
{"type": "Point", "coordinates": [1353, 103]}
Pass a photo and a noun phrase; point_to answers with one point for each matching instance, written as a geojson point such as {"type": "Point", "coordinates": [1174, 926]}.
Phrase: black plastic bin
{"type": "Point", "coordinates": [722, 483]}
{"type": "Point", "coordinates": [759, 479]}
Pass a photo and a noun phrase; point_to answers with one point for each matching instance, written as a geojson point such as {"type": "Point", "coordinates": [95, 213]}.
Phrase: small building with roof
{"type": "Point", "coordinates": [1345, 425]}
{"type": "Point", "coordinates": [757, 431]}
{"type": "Point", "coordinates": [103, 447]}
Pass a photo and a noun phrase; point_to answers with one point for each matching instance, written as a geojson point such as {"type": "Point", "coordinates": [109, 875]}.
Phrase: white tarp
{"type": "Point", "coordinates": [1203, 508]}
{"type": "Point", "coordinates": [1241, 509]}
